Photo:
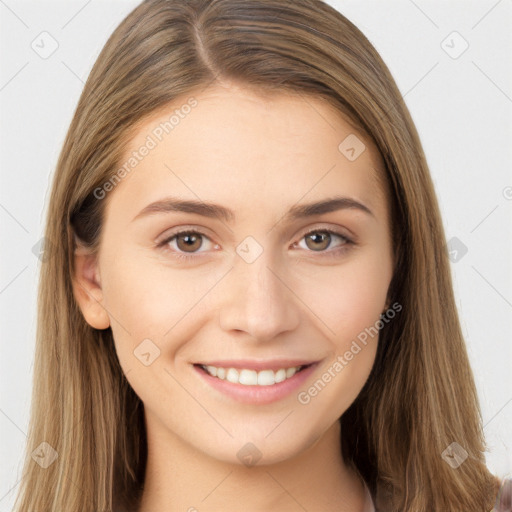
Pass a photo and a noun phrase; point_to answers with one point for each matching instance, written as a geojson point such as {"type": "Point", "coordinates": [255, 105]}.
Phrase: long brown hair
{"type": "Point", "coordinates": [420, 396]}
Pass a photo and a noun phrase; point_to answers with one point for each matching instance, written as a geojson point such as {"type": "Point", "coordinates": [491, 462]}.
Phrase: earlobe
{"type": "Point", "coordinates": [87, 289]}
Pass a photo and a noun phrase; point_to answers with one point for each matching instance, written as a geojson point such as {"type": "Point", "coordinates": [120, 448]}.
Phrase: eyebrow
{"type": "Point", "coordinates": [216, 211]}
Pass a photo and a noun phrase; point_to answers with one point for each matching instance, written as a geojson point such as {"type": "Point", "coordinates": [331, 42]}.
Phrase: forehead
{"type": "Point", "coordinates": [231, 144]}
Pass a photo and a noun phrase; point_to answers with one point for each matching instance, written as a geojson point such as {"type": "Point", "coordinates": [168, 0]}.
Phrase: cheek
{"type": "Point", "coordinates": [149, 300]}
{"type": "Point", "coordinates": [348, 298]}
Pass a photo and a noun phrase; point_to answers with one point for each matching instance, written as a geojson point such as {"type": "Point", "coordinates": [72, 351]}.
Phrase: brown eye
{"type": "Point", "coordinates": [318, 241]}
{"type": "Point", "coordinates": [189, 242]}
{"type": "Point", "coordinates": [323, 241]}
{"type": "Point", "coordinates": [185, 244]}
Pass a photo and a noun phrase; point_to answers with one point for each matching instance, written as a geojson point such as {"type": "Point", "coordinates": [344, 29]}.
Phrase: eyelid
{"type": "Point", "coordinates": [169, 233]}
{"type": "Point", "coordinates": [205, 231]}
{"type": "Point", "coordinates": [337, 230]}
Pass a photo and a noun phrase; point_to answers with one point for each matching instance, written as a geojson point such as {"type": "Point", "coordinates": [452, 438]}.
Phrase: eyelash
{"type": "Point", "coordinates": [185, 257]}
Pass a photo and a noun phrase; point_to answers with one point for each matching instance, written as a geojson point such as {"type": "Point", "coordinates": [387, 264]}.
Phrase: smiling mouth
{"type": "Point", "coordinates": [248, 377]}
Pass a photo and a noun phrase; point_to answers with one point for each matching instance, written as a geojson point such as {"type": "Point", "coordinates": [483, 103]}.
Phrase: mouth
{"type": "Point", "coordinates": [250, 377]}
{"type": "Point", "coordinates": [255, 383]}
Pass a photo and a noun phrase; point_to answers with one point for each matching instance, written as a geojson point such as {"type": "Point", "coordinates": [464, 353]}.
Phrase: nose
{"type": "Point", "coordinates": [258, 301]}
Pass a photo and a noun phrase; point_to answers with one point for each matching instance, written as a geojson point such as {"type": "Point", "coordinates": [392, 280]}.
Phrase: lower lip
{"type": "Point", "coordinates": [258, 394]}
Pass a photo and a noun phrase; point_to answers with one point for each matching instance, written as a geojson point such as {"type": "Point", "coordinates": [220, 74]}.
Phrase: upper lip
{"type": "Point", "coordinates": [257, 365]}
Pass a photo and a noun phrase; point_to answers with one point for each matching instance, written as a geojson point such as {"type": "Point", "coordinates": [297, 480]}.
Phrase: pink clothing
{"type": "Point", "coordinates": [368, 503]}
{"type": "Point", "coordinates": [503, 500]}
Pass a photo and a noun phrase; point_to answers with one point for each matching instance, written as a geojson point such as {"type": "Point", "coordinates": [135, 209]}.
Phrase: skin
{"type": "Point", "coordinates": [259, 156]}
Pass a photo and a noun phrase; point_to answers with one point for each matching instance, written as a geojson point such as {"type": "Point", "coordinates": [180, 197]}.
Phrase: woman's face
{"type": "Point", "coordinates": [256, 281]}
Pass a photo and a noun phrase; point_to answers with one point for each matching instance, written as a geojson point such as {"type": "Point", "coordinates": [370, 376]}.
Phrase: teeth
{"type": "Point", "coordinates": [252, 377]}
{"type": "Point", "coordinates": [212, 370]}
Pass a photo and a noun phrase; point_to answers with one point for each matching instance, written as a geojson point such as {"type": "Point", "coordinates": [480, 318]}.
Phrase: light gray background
{"type": "Point", "coordinates": [461, 106]}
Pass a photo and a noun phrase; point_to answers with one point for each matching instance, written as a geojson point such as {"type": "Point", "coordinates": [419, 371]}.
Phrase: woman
{"type": "Point", "coordinates": [249, 303]}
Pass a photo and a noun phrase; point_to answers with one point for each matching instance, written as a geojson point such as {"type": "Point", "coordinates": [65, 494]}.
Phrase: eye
{"type": "Point", "coordinates": [318, 240]}
{"type": "Point", "coordinates": [185, 244]}
{"type": "Point", "coordinates": [186, 241]}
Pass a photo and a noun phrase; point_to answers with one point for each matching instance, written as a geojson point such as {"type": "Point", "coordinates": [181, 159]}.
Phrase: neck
{"type": "Point", "coordinates": [180, 478]}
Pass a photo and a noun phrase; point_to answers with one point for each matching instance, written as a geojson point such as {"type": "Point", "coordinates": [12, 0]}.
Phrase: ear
{"type": "Point", "coordinates": [87, 288]}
